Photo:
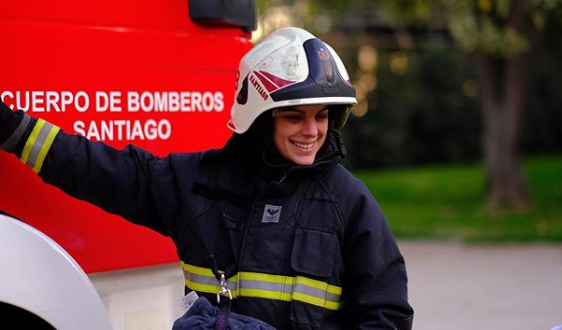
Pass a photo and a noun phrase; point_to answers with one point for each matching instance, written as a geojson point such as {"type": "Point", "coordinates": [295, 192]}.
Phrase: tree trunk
{"type": "Point", "coordinates": [504, 84]}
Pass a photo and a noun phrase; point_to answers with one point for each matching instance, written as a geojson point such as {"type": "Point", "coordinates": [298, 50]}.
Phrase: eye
{"type": "Point", "coordinates": [292, 117]}
{"type": "Point", "coordinates": [322, 115]}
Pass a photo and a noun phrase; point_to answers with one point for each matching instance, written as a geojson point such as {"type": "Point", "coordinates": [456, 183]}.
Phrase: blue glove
{"type": "Point", "coordinates": [202, 316]}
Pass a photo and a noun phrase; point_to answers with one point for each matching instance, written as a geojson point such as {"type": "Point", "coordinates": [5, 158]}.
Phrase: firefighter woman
{"type": "Point", "coordinates": [298, 242]}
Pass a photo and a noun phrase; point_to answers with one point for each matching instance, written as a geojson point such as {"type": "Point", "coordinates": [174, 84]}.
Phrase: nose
{"type": "Point", "coordinates": [310, 127]}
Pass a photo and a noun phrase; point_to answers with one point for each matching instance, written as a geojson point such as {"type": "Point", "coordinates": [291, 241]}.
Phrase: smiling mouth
{"type": "Point", "coordinates": [306, 146]}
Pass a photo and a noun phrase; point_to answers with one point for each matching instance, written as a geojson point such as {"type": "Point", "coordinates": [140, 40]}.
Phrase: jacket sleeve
{"type": "Point", "coordinates": [118, 181]}
{"type": "Point", "coordinates": [12, 127]}
{"type": "Point", "coordinates": [375, 282]}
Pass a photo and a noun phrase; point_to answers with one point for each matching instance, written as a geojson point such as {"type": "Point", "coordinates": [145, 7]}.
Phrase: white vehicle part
{"type": "Point", "coordinates": [40, 277]}
{"type": "Point", "coordinates": [147, 298]}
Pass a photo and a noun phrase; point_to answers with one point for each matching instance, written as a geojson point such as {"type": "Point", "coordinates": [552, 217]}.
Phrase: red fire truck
{"type": "Point", "coordinates": [158, 74]}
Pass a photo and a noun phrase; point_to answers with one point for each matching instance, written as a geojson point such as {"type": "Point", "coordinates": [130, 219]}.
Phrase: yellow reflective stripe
{"type": "Point", "coordinates": [333, 305]}
{"type": "Point", "coordinates": [202, 287]}
{"type": "Point", "coordinates": [38, 144]}
{"type": "Point", "coordinates": [309, 299]}
{"type": "Point", "coordinates": [205, 272]}
{"type": "Point", "coordinates": [261, 289]}
{"type": "Point", "coordinates": [208, 288]}
{"type": "Point", "coordinates": [325, 302]}
{"type": "Point", "coordinates": [267, 278]}
{"type": "Point", "coordinates": [197, 270]}
{"type": "Point", "coordinates": [266, 294]}
{"type": "Point", "coordinates": [268, 286]}
{"type": "Point", "coordinates": [199, 279]}
{"type": "Point", "coordinates": [45, 148]}
{"type": "Point", "coordinates": [319, 285]}
{"type": "Point", "coordinates": [31, 140]}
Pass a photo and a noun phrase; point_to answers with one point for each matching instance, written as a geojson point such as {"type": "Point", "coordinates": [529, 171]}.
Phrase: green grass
{"type": "Point", "coordinates": [446, 202]}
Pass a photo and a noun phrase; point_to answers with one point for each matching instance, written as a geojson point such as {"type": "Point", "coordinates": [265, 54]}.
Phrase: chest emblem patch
{"type": "Point", "coordinates": [271, 213]}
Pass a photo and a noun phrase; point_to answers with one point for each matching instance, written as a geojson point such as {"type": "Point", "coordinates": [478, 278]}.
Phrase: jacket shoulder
{"type": "Point", "coordinates": [340, 181]}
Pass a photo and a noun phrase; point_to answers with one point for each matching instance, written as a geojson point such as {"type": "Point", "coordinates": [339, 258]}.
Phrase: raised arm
{"type": "Point", "coordinates": [118, 181]}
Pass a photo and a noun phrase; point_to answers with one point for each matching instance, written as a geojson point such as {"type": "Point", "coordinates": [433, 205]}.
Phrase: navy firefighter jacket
{"type": "Point", "coordinates": [308, 250]}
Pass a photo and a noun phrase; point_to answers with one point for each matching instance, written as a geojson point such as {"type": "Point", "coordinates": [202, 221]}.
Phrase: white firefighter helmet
{"type": "Point", "coordinates": [290, 67]}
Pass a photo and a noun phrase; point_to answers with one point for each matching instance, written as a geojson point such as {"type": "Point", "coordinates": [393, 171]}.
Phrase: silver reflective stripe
{"type": "Point", "coordinates": [39, 143]}
{"type": "Point", "coordinates": [315, 292]}
{"type": "Point", "coordinates": [203, 280]}
{"type": "Point", "coordinates": [261, 285]}
{"type": "Point", "coordinates": [206, 280]}
{"type": "Point", "coordinates": [16, 136]}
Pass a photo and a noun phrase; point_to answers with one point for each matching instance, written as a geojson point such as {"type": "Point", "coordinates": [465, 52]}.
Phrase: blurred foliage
{"type": "Point", "coordinates": [419, 94]}
{"type": "Point", "coordinates": [431, 112]}
{"type": "Point", "coordinates": [421, 116]}
{"type": "Point", "coordinates": [486, 26]}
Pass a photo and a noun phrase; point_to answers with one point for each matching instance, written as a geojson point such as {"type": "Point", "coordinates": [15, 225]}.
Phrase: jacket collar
{"type": "Point", "coordinates": [270, 165]}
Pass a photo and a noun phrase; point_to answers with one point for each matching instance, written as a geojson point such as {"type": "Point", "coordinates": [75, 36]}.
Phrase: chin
{"type": "Point", "coordinates": [303, 162]}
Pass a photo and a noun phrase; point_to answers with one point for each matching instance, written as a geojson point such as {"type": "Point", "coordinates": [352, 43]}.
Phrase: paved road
{"type": "Point", "coordinates": [465, 287]}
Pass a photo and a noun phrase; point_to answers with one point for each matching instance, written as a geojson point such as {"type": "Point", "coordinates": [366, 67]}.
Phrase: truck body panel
{"type": "Point", "coordinates": [122, 72]}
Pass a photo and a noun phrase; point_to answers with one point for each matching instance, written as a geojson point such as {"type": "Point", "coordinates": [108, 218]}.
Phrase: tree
{"type": "Point", "coordinates": [501, 35]}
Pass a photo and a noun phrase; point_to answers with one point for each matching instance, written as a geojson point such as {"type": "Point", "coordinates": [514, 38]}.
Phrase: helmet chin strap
{"type": "Point", "coordinates": [335, 139]}
{"type": "Point", "coordinates": [339, 145]}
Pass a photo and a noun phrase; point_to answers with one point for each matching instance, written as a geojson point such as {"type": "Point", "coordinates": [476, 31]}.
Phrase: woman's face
{"type": "Point", "coordinates": [300, 131]}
